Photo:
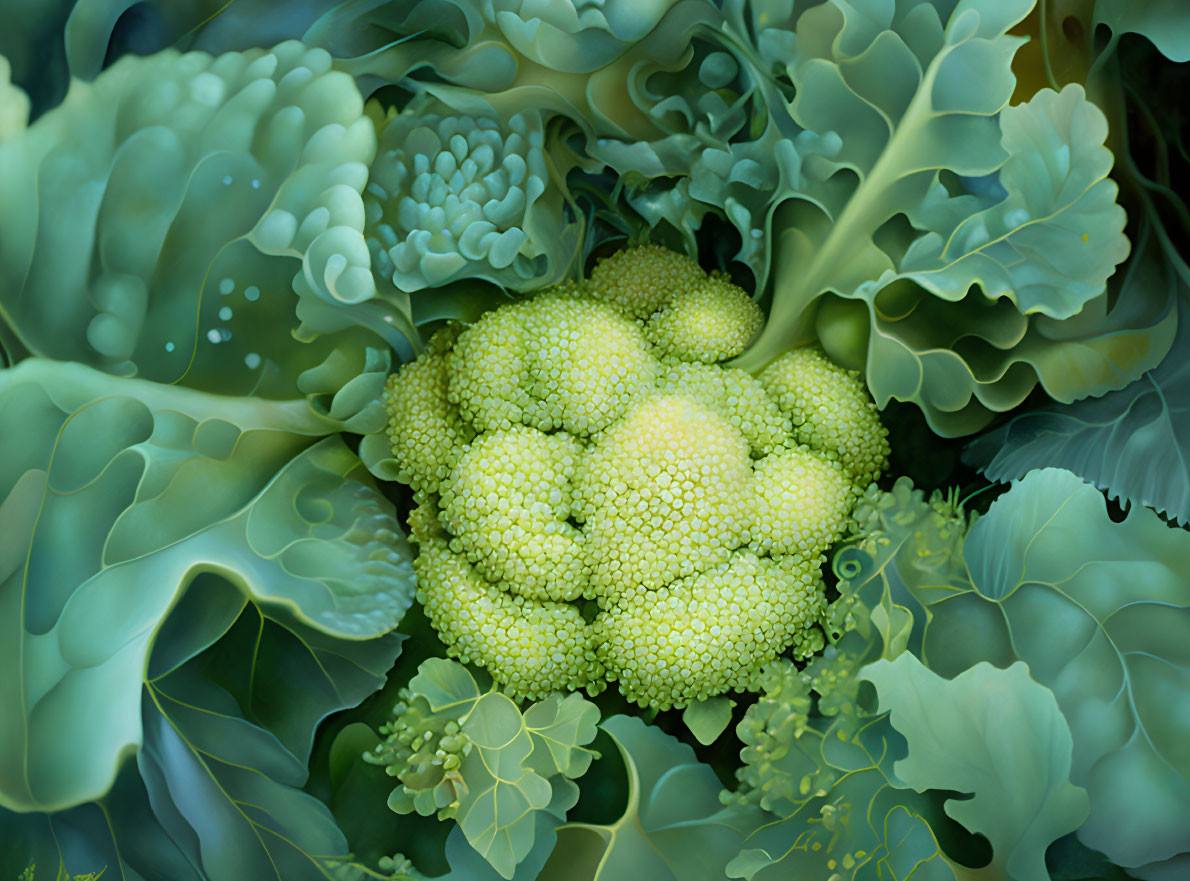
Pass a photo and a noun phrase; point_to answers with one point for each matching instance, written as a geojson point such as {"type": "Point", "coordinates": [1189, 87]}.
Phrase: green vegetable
{"type": "Point", "coordinates": [452, 196]}
{"type": "Point", "coordinates": [183, 217]}
{"type": "Point", "coordinates": [584, 444]}
{"type": "Point", "coordinates": [473, 756]}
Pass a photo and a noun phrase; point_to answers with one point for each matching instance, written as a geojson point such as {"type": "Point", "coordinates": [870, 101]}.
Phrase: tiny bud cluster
{"type": "Point", "coordinates": [424, 751]}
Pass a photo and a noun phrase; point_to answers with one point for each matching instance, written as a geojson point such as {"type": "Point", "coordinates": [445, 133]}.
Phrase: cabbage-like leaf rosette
{"type": "Point", "coordinates": [452, 197]}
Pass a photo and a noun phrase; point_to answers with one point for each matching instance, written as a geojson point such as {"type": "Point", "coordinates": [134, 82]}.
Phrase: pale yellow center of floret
{"type": "Point", "coordinates": [558, 455]}
{"type": "Point", "coordinates": [666, 496]}
{"type": "Point", "coordinates": [736, 396]}
{"type": "Point", "coordinates": [802, 501]}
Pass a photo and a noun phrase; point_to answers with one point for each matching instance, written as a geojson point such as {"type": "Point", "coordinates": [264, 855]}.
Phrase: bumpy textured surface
{"type": "Point", "coordinates": [455, 196]}
{"type": "Point", "coordinates": [597, 502]}
{"type": "Point", "coordinates": [152, 220]}
{"type": "Point", "coordinates": [831, 410]}
{"type": "Point", "coordinates": [639, 281]}
{"type": "Point", "coordinates": [710, 322]}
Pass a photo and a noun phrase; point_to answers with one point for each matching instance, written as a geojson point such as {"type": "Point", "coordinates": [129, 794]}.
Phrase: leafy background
{"type": "Point", "coordinates": [1006, 693]}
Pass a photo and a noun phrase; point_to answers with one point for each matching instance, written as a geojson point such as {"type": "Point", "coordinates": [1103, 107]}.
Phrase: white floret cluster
{"type": "Point", "coordinates": [599, 500]}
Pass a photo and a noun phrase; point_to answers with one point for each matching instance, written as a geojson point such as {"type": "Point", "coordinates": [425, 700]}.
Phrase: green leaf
{"type": "Point", "coordinates": [155, 223]}
{"type": "Point", "coordinates": [1130, 443]}
{"type": "Point", "coordinates": [996, 734]}
{"type": "Point", "coordinates": [1100, 611]}
{"type": "Point", "coordinates": [117, 494]}
{"type": "Point", "coordinates": [117, 837]}
{"type": "Point", "coordinates": [668, 832]}
{"type": "Point", "coordinates": [223, 797]}
{"type": "Point", "coordinates": [901, 102]}
{"type": "Point", "coordinates": [1165, 22]}
{"type": "Point", "coordinates": [940, 210]}
{"type": "Point", "coordinates": [559, 727]}
{"type": "Point", "coordinates": [864, 827]}
{"type": "Point", "coordinates": [907, 556]}
{"type": "Point", "coordinates": [1051, 242]}
{"type": "Point", "coordinates": [497, 811]}
{"type": "Point", "coordinates": [509, 776]}
{"type": "Point", "coordinates": [228, 789]}
{"type": "Point", "coordinates": [708, 719]}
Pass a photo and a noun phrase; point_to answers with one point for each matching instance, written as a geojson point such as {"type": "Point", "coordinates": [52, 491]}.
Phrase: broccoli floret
{"type": "Point", "coordinates": [831, 410]}
{"type": "Point", "coordinates": [713, 321]}
{"type": "Point", "coordinates": [802, 500]}
{"type": "Point", "coordinates": [597, 455]}
{"type": "Point", "coordinates": [661, 497]}
{"type": "Point", "coordinates": [557, 361]}
{"type": "Point", "coordinates": [710, 632]}
{"type": "Point", "coordinates": [736, 396]}
{"type": "Point", "coordinates": [507, 503]}
{"type": "Point", "coordinates": [639, 281]}
{"type": "Point", "coordinates": [425, 428]}
{"type": "Point", "coordinates": [533, 648]}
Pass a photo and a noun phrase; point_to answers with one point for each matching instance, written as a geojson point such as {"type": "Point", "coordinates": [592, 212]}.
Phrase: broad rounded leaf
{"type": "Point", "coordinates": [1100, 611]}
{"type": "Point", "coordinates": [668, 831]}
{"type": "Point", "coordinates": [996, 734]}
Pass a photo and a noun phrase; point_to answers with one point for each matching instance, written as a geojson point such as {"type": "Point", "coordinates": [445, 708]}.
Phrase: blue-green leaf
{"type": "Point", "coordinates": [996, 734]}
{"type": "Point", "coordinates": [1130, 443]}
{"type": "Point", "coordinates": [668, 831]}
{"type": "Point", "coordinates": [1100, 611]}
{"type": "Point", "coordinates": [1165, 22]}
{"type": "Point", "coordinates": [1051, 242]}
{"type": "Point", "coordinates": [116, 495]}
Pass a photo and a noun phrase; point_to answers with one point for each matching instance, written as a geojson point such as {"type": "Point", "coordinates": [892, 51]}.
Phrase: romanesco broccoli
{"type": "Point", "coordinates": [599, 500]}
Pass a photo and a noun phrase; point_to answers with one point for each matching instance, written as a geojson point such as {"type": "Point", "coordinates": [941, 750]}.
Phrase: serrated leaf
{"type": "Point", "coordinates": [996, 734]}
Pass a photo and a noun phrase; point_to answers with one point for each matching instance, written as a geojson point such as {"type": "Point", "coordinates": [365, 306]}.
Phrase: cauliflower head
{"type": "Point", "coordinates": [600, 500]}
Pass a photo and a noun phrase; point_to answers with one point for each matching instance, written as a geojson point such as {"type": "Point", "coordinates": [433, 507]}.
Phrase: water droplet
{"type": "Point", "coordinates": [213, 335]}
{"type": "Point", "coordinates": [255, 184]}
{"type": "Point", "coordinates": [226, 286]}
{"type": "Point", "coordinates": [252, 293]}
{"type": "Point", "coordinates": [225, 313]}
{"type": "Point", "coordinates": [252, 360]}
{"type": "Point", "coordinates": [224, 334]}
{"type": "Point", "coordinates": [169, 347]}
{"type": "Point", "coordinates": [227, 180]}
